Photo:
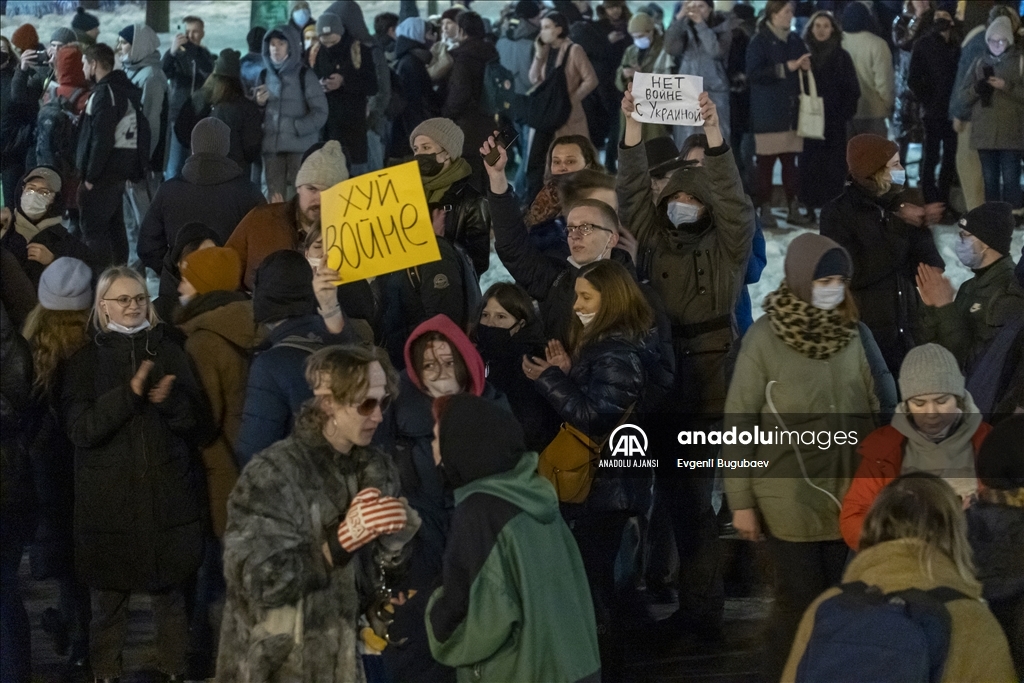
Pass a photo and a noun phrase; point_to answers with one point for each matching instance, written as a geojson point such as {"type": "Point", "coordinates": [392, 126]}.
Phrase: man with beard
{"type": "Point", "coordinates": [283, 225]}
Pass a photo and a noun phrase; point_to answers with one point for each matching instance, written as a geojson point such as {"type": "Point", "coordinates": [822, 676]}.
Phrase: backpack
{"type": "Point", "coordinates": [863, 634]}
{"type": "Point", "coordinates": [471, 294]}
{"type": "Point", "coordinates": [500, 97]}
{"type": "Point", "coordinates": [132, 133]}
{"type": "Point", "coordinates": [57, 133]}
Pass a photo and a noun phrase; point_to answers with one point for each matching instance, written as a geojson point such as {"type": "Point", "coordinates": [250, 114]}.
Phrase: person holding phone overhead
{"type": "Point", "coordinates": [187, 65]}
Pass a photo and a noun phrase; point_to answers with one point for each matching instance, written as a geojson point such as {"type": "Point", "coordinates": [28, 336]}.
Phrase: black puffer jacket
{"type": "Point", "coordinates": [885, 253]}
{"type": "Point", "coordinates": [346, 106]}
{"type": "Point", "coordinates": [138, 492]}
{"type": "Point", "coordinates": [606, 379]}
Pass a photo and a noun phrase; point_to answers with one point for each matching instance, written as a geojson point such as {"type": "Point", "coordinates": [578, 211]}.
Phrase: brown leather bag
{"type": "Point", "coordinates": [569, 462]}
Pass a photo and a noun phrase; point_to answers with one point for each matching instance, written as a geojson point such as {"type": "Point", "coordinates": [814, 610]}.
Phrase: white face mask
{"type": "Point", "coordinates": [586, 318]}
{"type": "Point", "coordinates": [183, 300]}
{"type": "Point", "coordinates": [115, 327]}
{"type": "Point", "coordinates": [968, 255]}
{"type": "Point", "coordinates": [680, 213]}
{"type": "Point", "coordinates": [827, 297]}
{"type": "Point", "coordinates": [899, 177]}
{"type": "Point", "coordinates": [642, 43]}
{"type": "Point", "coordinates": [447, 386]}
{"type": "Point", "coordinates": [315, 262]}
{"type": "Point", "coordinates": [35, 205]}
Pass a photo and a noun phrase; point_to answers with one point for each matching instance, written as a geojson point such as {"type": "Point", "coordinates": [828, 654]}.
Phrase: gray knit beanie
{"type": "Point", "coordinates": [444, 132]}
{"type": "Point", "coordinates": [66, 285]}
{"type": "Point", "coordinates": [930, 369]}
{"type": "Point", "coordinates": [63, 35]}
{"type": "Point", "coordinates": [211, 136]}
{"type": "Point", "coordinates": [325, 167]}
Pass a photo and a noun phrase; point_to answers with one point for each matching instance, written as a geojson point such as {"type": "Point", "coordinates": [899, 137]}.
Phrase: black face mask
{"type": "Point", "coordinates": [493, 342]}
{"type": "Point", "coordinates": [941, 25]}
{"type": "Point", "coordinates": [429, 165]}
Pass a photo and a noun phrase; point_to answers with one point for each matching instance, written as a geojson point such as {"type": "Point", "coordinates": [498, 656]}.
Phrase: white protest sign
{"type": "Point", "coordinates": [667, 99]}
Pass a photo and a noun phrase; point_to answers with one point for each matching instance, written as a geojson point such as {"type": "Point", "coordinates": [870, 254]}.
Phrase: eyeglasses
{"type": "Point", "coordinates": [126, 301]}
{"type": "Point", "coordinates": [369, 405]}
{"type": "Point", "coordinates": [585, 229]}
{"type": "Point", "coordinates": [41, 193]}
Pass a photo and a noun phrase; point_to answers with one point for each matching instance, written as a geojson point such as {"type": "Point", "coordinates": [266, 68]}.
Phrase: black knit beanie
{"type": "Point", "coordinates": [283, 287]}
{"type": "Point", "coordinates": [992, 223]}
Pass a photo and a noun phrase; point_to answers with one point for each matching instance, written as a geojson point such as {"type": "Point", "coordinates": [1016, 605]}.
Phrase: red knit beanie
{"type": "Point", "coordinates": [866, 154]}
{"type": "Point", "coordinates": [212, 270]}
{"type": "Point", "coordinates": [25, 37]}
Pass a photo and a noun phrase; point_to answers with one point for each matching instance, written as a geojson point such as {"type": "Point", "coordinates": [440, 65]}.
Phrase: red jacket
{"type": "Point", "coordinates": [881, 462]}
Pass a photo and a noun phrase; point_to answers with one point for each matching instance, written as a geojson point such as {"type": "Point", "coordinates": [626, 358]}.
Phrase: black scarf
{"type": "Point", "coordinates": [821, 52]}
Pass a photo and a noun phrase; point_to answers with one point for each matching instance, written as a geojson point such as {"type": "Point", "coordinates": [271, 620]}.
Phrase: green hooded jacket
{"type": "Point", "coordinates": [514, 604]}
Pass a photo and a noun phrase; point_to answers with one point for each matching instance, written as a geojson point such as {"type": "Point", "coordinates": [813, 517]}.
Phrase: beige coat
{"type": "Point", "coordinates": [872, 60]}
{"type": "Point", "coordinates": [978, 651]}
{"type": "Point", "coordinates": [580, 78]}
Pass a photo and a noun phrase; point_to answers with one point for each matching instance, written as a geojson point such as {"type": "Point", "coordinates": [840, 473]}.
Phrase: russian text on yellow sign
{"type": "Point", "coordinates": [377, 223]}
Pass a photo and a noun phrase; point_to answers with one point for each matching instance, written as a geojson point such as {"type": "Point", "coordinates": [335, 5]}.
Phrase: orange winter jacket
{"type": "Point", "coordinates": [881, 462]}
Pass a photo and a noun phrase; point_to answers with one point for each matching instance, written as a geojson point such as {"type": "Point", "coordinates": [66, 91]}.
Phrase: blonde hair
{"type": "Point", "coordinates": [54, 337]}
{"type": "Point", "coordinates": [922, 506]}
{"type": "Point", "coordinates": [99, 319]}
{"type": "Point", "coordinates": [346, 369]}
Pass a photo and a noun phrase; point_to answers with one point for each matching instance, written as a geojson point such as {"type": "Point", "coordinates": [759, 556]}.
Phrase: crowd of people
{"type": "Point", "coordinates": [395, 478]}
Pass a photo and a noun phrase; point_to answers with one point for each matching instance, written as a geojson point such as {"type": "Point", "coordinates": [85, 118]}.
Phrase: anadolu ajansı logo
{"type": "Point", "coordinates": [628, 441]}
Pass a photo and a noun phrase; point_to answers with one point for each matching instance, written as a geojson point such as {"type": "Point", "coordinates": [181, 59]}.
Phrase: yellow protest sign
{"type": "Point", "coordinates": [377, 223]}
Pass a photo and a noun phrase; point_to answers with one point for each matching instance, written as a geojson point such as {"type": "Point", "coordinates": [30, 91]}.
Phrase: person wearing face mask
{"type": "Point", "coordinates": [129, 400]}
{"type": "Point", "coordinates": [997, 113]}
{"type": "Point", "coordinates": [295, 110]}
{"type": "Point", "coordinates": [609, 367]}
{"type": "Point", "coordinates": [886, 237]}
{"type": "Point", "coordinates": [361, 300]}
{"type": "Point", "coordinates": [315, 531]}
{"type": "Point", "coordinates": [646, 56]}
{"type": "Point", "coordinates": [347, 75]}
{"type": "Point", "coordinates": [299, 15]}
{"type": "Point", "coordinates": [700, 38]}
{"type": "Point", "coordinates": [449, 182]}
{"type": "Point", "coordinates": [802, 363]}
{"type": "Point", "coordinates": [440, 360]}
{"type": "Point", "coordinates": [37, 235]}
{"type": "Point", "coordinates": [284, 225]}
{"type": "Point", "coordinates": [507, 329]}
{"type": "Point", "coordinates": [965, 321]}
{"type": "Point", "coordinates": [937, 429]}
{"type": "Point", "coordinates": [191, 237]}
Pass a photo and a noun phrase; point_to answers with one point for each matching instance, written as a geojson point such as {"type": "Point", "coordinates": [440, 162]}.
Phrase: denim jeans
{"type": "Point", "coordinates": [176, 156]}
{"type": "Point", "coordinates": [1001, 165]}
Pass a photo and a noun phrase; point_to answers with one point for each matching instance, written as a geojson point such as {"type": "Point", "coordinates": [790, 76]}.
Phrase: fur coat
{"type": "Point", "coordinates": [289, 615]}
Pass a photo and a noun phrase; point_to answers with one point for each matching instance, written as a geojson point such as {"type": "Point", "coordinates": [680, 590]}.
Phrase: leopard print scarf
{"type": "Point", "coordinates": [811, 331]}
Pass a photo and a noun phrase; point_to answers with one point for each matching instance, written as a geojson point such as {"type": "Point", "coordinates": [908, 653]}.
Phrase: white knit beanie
{"type": "Point", "coordinates": [325, 167]}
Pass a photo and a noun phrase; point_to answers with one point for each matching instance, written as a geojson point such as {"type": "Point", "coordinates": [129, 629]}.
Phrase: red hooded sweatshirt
{"type": "Point", "coordinates": [70, 76]}
{"type": "Point", "coordinates": [443, 324]}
